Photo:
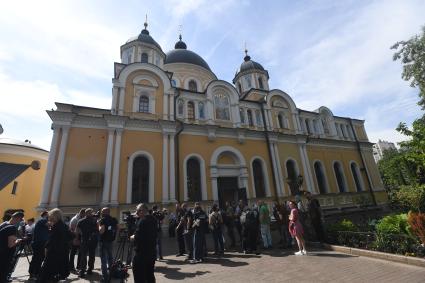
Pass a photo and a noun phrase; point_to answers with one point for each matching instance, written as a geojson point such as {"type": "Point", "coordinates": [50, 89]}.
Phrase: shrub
{"type": "Point", "coordinates": [393, 224]}
{"type": "Point", "coordinates": [417, 225]}
{"type": "Point", "coordinates": [343, 225]}
{"type": "Point", "coordinates": [409, 198]}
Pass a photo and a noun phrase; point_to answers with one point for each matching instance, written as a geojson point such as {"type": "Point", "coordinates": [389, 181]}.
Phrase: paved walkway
{"type": "Point", "coordinates": [271, 266]}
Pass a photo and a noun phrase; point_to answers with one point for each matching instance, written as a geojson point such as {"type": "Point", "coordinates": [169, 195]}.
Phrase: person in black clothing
{"type": "Point", "coordinates": [55, 265]}
{"type": "Point", "coordinates": [39, 240]}
{"type": "Point", "coordinates": [159, 216]}
{"type": "Point", "coordinates": [8, 242]}
{"type": "Point", "coordinates": [88, 233]}
{"type": "Point", "coordinates": [188, 231]}
{"type": "Point", "coordinates": [250, 224]}
{"type": "Point", "coordinates": [315, 214]}
{"type": "Point", "coordinates": [108, 227]}
{"type": "Point", "coordinates": [229, 222]}
{"type": "Point", "coordinates": [145, 243]}
{"type": "Point", "coordinates": [200, 222]}
{"type": "Point", "coordinates": [238, 212]}
{"type": "Point", "coordinates": [180, 213]}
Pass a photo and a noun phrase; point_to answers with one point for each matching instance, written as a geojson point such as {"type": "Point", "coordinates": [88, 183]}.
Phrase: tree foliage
{"type": "Point", "coordinates": [412, 55]}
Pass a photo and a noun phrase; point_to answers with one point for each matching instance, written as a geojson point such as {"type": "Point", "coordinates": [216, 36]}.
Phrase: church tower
{"type": "Point", "coordinates": [251, 75]}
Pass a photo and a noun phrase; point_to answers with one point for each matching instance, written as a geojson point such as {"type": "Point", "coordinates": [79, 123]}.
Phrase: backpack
{"type": "Point", "coordinates": [251, 219]}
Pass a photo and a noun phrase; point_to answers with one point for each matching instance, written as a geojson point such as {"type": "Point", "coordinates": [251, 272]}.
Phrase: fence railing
{"type": "Point", "coordinates": [389, 243]}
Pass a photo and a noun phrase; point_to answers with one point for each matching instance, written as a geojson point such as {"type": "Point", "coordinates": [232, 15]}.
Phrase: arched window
{"type": "Point", "coordinates": [250, 121]}
{"type": "Point", "coordinates": [248, 81]}
{"type": "Point", "coordinates": [193, 86]}
{"type": "Point", "coordinates": [339, 175]}
{"type": "Point", "coordinates": [242, 115]}
{"type": "Point", "coordinates": [144, 104]}
{"type": "Point", "coordinates": [325, 126]}
{"type": "Point", "coordinates": [193, 168]}
{"type": "Point", "coordinates": [258, 118]}
{"type": "Point", "coordinates": [257, 169]}
{"type": "Point", "coordinates": [280, 121]}
{"type": "Point", "coordinates": [140, 189]}
{"type": "Point", "coordinates": [180, 107]}
{"type": "Point", "coordinates": [260, 83]}
{"type": "Point", "coordinates": [320, 177]}
{"type": "Point", "coordinates": [291, 171]}
{"type": "Point", "coordinates": [144, 58]}
{"type": "Point", "coordinates": [201, 110]}
{"type": "Point", "coordinates": [190, 110]}
{"type": "Point", "coordinates": [240, 88]}
{"type": "Point", "coordinates": [357, 176]}
{"type": "Point", "coordinates": [307, 126]}
{"type": "Point", "coordinates": [222, 105]}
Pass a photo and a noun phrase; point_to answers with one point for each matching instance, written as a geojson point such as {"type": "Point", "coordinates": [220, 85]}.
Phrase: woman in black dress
{"type": "Point", "coordinates": [55, 265]}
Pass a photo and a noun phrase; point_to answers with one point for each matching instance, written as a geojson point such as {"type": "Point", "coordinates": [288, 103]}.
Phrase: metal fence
{"type": "Point", "coordinates": [389, 243]}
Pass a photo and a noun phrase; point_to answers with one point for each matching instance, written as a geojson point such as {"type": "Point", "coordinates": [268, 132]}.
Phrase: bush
{"type": "Point", "coordinates": [417, 225]}
{"type": "Point", "coordinates": [409, 198]}
{"type": "Point", "coordinates": [393, 224]}
{"type": "Point", "coordinates": [344, 225]}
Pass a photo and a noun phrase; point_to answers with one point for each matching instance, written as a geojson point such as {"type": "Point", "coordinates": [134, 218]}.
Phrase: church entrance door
{"type": "Point", "coordinates": [227, 190]}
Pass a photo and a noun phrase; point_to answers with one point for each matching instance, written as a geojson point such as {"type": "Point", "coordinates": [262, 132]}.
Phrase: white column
{"type": "Point", "coordinates": [296, 123]}
{"type": "Point", "coordinates": [196, 105]}
{"type": "Point", "coordinates": [59, 168]}
{"type": "Point", "coordinates": [311, 125]}
{"type": "Point", "coordinates": [165, 107]}
{"type": "Point", "coordinates": [108, 167]}
{"type": "Point", "coordinates": [275, 170]}
{"type": "Point", "coordinates": [306, 168]}
{"type": "Point", "coordinates": [271, 124]}
{"type": "Point", "coordinates": [116, 170]}
{"type": "Point", "coordinates": [114, 108]}
{"type": "Point", "coordinates": [172, 171]}
{"type": "Point", "coordinates": [121, 101]}
{"type": "Point", "coordinates": [279, 170]}
{"type": "Point", "coordinates": [165, 168]}
{"type": "Point", "coordinates": [214, 188]}
{"type": "Point", "coordinates": [50, 167]}
{"type": "Point", "coordinates": [171, 104]}
{"type": "Point", "coordinates": [209, 112]}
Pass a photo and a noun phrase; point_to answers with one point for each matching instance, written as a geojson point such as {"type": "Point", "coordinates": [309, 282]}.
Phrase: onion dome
{"type": "Point", "coordinates": [180, 54]}
{"type": "Point", "coordinates": [145, 38]}
{"type": "Point", "coordinates": [249, 64]}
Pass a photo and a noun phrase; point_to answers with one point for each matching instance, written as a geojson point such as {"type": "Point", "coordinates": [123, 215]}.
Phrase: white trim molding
{"type": "Point", "coordinates": [203, 176]}
{"type": "Point", "coordinates": [151, 175]}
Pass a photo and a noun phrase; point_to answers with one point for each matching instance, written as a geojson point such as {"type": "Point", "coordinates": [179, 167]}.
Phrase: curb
{"type": "Point", "coordinates": [379, 255]}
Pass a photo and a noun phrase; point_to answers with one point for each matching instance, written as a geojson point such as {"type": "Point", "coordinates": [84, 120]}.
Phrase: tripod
{"type": "Point", "coordinates": [125, 248]}
{"type": "Point", "coordinates": [20, 250]}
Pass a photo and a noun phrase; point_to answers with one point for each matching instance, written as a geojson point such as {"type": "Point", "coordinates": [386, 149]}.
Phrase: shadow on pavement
{"type": "Point", "coordinates": [175, 273]}
{"type": "Point", "coordinates": [331, 255]}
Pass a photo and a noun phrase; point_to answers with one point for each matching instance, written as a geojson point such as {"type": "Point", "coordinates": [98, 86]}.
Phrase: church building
{"type": "Point", "coordinates": [177, 133]}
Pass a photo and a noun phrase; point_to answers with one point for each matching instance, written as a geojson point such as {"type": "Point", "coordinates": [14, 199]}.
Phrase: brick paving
{"type": "Point", "coordinates": [276, 265]}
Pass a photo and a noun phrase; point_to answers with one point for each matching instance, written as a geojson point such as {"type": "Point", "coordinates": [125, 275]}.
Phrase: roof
{"type": "Point", "coordinates": [181, 55]}
{"type": "Point", "coordinates": [9, 172]}
{"type": "Point", "coordinates": [145, 38]}
{"type": "Point", "coordinates": [19, 143]}
{"type": "Point", "coordinates": [249, 64]}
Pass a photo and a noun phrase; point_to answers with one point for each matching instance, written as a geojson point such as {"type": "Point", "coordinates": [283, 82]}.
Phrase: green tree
{"type": "Point", "coordinates": [396, 170]}
{"type": "Point", "coordinates": [412, 55]}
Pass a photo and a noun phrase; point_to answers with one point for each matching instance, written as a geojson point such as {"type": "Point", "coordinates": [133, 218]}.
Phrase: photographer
{"type": "Point", "coordinates": [180, 213]}
{"type": "Point", "coordinates": [159, 216]}
{"type": "Point", "coordinates": [107, 229]}
{"type": "Point", "coordinates": [75, 246]}
{"type": "Point", "coordinates": [40, 237]}
{"type": "Point", "coordinates": [200, 220]}
{"type": "Point", "coordinates": [88, 231]}
{"type": "Point", "coordinates": [144, 241]}
{"type": "Point", "coordinates": [8, 242]}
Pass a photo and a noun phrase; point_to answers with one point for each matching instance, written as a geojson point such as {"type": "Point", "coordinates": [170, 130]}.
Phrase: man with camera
{"type": "Point", "coordinates": [159, 216]}
{"type": "Point", "coordinates": [180, 212]}
{"type": "Point", "coordinates": [39, 240]}
{"type": "Point", "coordinates": [108, 230]}
{"type": "Point", "coordinates": [145, 243]}
{"type": "Point", "coordinates": [88, 232]}
{"type": "Point", "coordinates": [8, 242]}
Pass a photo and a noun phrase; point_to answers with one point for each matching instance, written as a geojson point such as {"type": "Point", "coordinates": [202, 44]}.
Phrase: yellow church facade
{"type": "Point", "coordinates": [177, 133]}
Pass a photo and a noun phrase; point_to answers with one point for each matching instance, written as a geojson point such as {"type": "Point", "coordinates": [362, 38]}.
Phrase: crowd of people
{"type": "Point", "coordinates": [55, 244]}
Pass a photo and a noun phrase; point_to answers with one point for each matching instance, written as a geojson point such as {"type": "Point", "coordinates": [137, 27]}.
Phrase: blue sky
{"type": "Point", "coordinates": [332, 53]}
